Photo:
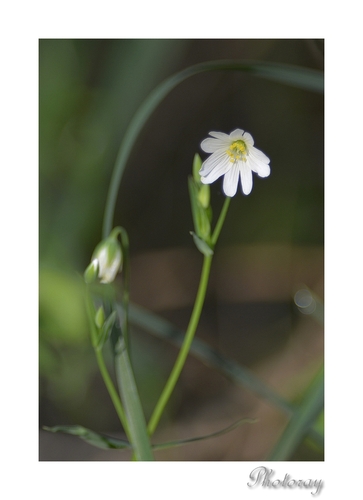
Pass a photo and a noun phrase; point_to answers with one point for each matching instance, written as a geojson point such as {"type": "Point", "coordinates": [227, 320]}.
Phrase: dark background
{"type": "Point", "coordinates": [271, 244]}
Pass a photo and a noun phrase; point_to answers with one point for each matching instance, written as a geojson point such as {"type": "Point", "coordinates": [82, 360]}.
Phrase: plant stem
{"type": "Point", "coordinates": [220, 221]}
{"type": "Point", "coordinates": [184, 351]}
{"type": "Point", "coordinates": [112, 390]}
{"type": "Point", "coordinates": [102, 365]}
{"type": "Point", "coordinates": [126, 287]}
{"type": "Point", "coordinates": [193, 324]}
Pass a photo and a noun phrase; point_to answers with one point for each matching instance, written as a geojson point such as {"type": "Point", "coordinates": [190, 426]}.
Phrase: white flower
{"type": "Point", "coordinates": [109, 260]}
{"type": "Point", "coordinates": [106, 261]}
{"type": "Point", "coordinates": [233, 156]}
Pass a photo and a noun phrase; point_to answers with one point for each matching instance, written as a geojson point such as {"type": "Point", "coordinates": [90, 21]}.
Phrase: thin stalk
{"type": "Point", "coordinates": [184, 351]}
{"type": "Point", "coordinates": [102, 367]}
{"type": "Point", "coordinates": [192, 327]}
{"type": "Point", "coordinates": [126, 288]}
{"type": "Point", "coordinates": [220, 221]}
{"type": "Point", "coordinates": [112, 390]}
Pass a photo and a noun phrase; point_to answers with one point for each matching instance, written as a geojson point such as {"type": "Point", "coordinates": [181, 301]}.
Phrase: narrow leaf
{"type": "Point", "coordinates": [106, 442]}
{"type": "Point", "coordinates": [91, 437]}
{"type": "Point", "coordinates": [301, 421]}
{"type": "Point", "coordinates": [182, 442]}
{"type": "Point", "coordinates": [137, 431]}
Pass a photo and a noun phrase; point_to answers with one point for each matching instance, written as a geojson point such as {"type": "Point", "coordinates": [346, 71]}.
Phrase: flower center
{"type": "Point", "coordinates": [237, 151]}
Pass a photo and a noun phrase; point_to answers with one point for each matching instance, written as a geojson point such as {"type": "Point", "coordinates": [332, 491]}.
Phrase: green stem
{"type": "Point", "coordinates": [184, 351]}
{"type": "Point", "coordinates": [112, 390]}
{"type": "Point", "coordinates": [102, 365]}
{"type": "Point", "coordinates": [220, 221]}
{"type": "Point", "coordinates": [193, 324]}
{"type": "Point", "coordinates": [126, 287]}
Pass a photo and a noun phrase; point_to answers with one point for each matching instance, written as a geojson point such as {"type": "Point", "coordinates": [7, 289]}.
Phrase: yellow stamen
{"type": "Point", "coordinates": [237, 151]}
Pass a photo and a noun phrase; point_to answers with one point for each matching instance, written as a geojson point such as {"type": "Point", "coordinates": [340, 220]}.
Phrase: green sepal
{"type": "Point", "coordinates": [91, 272]}
{"type": "Point", "coordinates": [100, 317]}
{"type": "Point", "coordinates": [197, 165]}
{"type": "Point", "coordinates": [202, 245]}
{"type": "Point", "coordinates": [204, 195]}
{"type": "Point", "coordinates": [200, 215]}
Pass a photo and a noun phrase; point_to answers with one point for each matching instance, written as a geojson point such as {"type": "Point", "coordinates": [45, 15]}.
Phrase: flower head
{"type": "Point", "coordinates": [106, 260]}
{"type": "Point", "coordinates": [233, 156]}
{"type": "Point", "coordinates": [109, 259]}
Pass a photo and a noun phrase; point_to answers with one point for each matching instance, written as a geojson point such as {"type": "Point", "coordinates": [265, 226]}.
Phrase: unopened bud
{"type": "Point", "coordinates": [100, 317]}
{"type": "Point", "coordinates": [197, 165]}
{"type": "Point", "coordinates": [106, 260]}
{"type": "Point", "coordinates": [204, 195]}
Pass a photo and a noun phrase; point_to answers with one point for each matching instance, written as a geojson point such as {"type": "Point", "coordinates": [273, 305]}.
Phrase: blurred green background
{"type": "Point", "coordinates": [270, 247]}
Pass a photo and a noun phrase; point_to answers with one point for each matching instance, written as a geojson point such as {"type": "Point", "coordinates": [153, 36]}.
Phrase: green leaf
{"type": "Point", "coordinates": [91, 437]}
{"type": "Point", "coordinates": [202, 245]}
{"type": "Point", "coordinates": [137, 431]}
{"type": "Point", "coordinates": [294, 76]}
{"type": "Point", "coordinates": [106, 442]}
{"type": "Point", "coordinates": [301, 421]}
{"type": "Point", "coordinates": [182, 442]}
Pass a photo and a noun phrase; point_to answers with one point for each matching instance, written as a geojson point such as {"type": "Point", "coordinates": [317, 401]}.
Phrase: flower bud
{"type": "Point", "coordinates": [204, 195]}
{"type": "Point", "coordinates": [106, 260]}
{"type": "Point", "coordinates": [100, 317]}
{"type": "Point", "coordinates": [197, 164]}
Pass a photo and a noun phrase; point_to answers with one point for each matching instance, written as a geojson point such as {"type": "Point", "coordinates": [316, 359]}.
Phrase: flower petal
{"type": "Point", "coordinates": [248, 138]}
{"type": "Point", "coordinates": [257, 154]}
{"type": "Point", "coordinates": [210, 145]}
{"type": "Point", "coordinates": [220, 135]}
{"type": "Point", "coordinates": [219, 169]}
{"type": "Point", "coordinates": [261, 169]}
{"type": "Point", "coordinates": [213, 161]}
{"type": "Point", "coordinates": [230, 181]}
{"type": "Point", "coordinates": [246, 177]}
{"type": "Point", "coordinates": [236, 134]}
{"type": "Point", "coordinates": [259, 162]}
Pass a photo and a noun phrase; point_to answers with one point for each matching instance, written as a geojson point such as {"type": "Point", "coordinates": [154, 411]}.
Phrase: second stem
{"type": "Point", "coordinates": [183, 353]}
{"type": "Point", "coordinates": [193, 323]}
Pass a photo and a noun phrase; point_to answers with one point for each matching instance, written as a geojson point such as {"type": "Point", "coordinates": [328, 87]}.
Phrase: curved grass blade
{"type": "Point", "coordinates": [301, 421]}
{"type": "Point", "coordinates": [91, 437]}
{"type": "Point", "coordinates": [107, 443]}
{"type": "Point", "coordinates": [182, 442]}
{"type": "Point", "coordinates": [304, 78]}
{"type": "Point", "coordinates": [163, 329]}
